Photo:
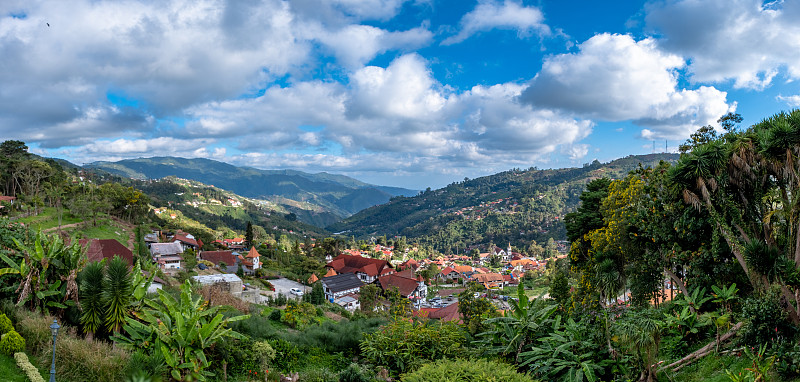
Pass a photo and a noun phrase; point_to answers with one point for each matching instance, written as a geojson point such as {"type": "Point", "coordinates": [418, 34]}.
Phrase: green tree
{"type": "Point", "coordinates": [368, 297]}
{"type": "Point", "coordinates": [474, 310]}
{"type": "Point", "coordinates": [248, 236]}
{"type": "Point", "coordinates": [511, 334]}
{"type": "Point", "coordinates": [317, 295]}
{"type": "Point", "coordinates": [91, 289]}
{"type": "Point", "coordinates": [117, 294]}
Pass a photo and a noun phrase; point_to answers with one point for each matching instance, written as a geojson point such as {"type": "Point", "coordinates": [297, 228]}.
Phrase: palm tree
{"type": "Point", "coordinates": [91, 288]}
{"type": "Point", "coordinates": [116, 294]}
{"type": "Point", "coordinates": [641, 333]}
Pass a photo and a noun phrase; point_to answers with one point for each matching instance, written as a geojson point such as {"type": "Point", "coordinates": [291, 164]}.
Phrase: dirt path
{"type": "Point", "coordinates": [62, 227]}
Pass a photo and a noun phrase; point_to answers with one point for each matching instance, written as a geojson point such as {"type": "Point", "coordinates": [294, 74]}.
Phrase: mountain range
{"type": "Point", "coordinates": [328, 197]}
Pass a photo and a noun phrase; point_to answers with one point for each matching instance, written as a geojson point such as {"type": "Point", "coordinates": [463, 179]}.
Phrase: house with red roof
{"type": "Point", "coordinates": [6, 199]}
{"type": "Point", "coordinates": [407, 285]}
{"type": "Point", "coordinates": [489, 280]}
{"type": "Point", "coordinates": [446, 314]}
{"type": "Point", "coordinates": [99, 249]}
{"type": "Point", "coordinates": [218, 257]}
{"type": "Point", "coordinates": [448, 275]}
{"type": "Point", "coordinates": [187, 241]}
{"type": "Point", "coordinates": [409, 264]}
{"type": "Point", "coordinates": [253, 258]}
{"type": "Point", "coordinates": [367, 269]}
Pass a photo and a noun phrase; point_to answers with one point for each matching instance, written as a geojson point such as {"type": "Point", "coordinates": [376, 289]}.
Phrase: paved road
{"type": "Point", "coordinates": [283, 285]}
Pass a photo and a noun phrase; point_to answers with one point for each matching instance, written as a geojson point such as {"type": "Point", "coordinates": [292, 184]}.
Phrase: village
{"type": "Point", "coordinates": [431, 294]}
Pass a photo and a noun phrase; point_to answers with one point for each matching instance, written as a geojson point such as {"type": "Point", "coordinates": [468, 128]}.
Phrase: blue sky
{"type": "Point", "coordinates": [405, 93]}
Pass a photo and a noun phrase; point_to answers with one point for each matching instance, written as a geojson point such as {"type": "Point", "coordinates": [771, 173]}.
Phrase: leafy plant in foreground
{"type": "Point", "coordinates": [181, 329]}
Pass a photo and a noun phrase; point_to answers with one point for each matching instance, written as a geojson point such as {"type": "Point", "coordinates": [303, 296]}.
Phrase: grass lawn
{"type": "Point", "coordinates": [105, 229]}
{"type": "Point", "coordinates": [712, 369]}
{"type": "Point", "coordinates": [11, 373]}
{"type": "Point", "coordinates": [49, 219]}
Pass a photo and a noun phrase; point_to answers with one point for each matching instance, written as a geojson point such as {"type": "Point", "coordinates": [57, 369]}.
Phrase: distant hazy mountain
{"type": "Point", "coordinates": [339, 195]}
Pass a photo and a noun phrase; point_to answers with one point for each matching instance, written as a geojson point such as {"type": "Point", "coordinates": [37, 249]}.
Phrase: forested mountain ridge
{"type": "Point", "coordinates": [221, 210]}
{"type": "Point", "coordinates": [514, 206]}
{"type": "Point", "coordinates": [339, 196]}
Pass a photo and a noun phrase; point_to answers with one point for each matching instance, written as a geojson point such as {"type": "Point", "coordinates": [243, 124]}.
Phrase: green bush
{"type": "Point", "coordinates": [35, 329]}
{"type": "Point", "coordinates": [146, 367]}
{"type": "Point", "coordinates": [275, 315]}
{"type": "Point", "coordinates": [318, 375]}
{"type": "Point", "coordinates": [766, 321]}
{"type": "Point", "coordinates": [31, 371]}
{"type": "Point", "coordinates": [5, 324]}
{"type": "Point", "coordinates": [402, 345]}
{"type": "Point", "coordinates": [481, 370]}
{"type": "Point", "coordinates": [12, 343]}
{"type": "Point", "coordinates": [287, 355]}
{"type": "Point", "coordinates": [356, 373]}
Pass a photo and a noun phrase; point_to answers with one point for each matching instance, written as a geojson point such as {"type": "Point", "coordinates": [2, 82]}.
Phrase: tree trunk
{"type": "Point", "coordinates": [682, 287]}
{"type": "Point", "coordinates": [702, 352]}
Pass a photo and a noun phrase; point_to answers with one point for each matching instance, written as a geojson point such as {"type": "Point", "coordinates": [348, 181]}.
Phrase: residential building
{"type": "Point", "coordinates": [218, 257]}
{"type": "Point", "coordinates": [365, 268]}
{"type": "Point", "coordinates": [407, 285]}
{"type": "Point", "coordinates": [340, 285]}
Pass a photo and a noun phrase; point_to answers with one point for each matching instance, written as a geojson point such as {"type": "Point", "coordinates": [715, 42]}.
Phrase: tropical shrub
{"type": "Point", "coordinates": [287, 355]}
{"type": "Point", "coordinates": [12, 343]}
{"type": "Point", "coordinates": [402, 345]}
{"type": "Point", "coordinates": [356, 373]}
{"type": "Point", "coordinates": [299, 315]}
{"type": "Point", "coordinates": [322, 374]}
{"type": "Point", "coordinates": [5, 324]}
{"type": "Point", "coordinates": [182, 329]}
{"type": "Point", "coordinates": [275, 315]}
{"type": "Point", "coordinates": [766, 321]}
{"type": "Point", "coordinates": [456, 370]}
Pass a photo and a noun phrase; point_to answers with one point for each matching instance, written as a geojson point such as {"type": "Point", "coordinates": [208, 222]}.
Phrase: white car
{"type": "Point", "coordinates": [296, 291]}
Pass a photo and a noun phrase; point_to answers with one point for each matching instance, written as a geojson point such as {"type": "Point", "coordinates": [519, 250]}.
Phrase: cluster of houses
{"type": "Point", "coordinates": [348, 272]}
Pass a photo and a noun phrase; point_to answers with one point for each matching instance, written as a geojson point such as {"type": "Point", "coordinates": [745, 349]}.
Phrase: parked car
{"type": "Point", "coordinates": [296, 291]}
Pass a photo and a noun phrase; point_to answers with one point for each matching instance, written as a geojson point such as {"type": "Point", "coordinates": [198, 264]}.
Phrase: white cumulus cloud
{"type": "Point", "coordinates": [747, 41]}
{"type": "Point", "coordinates": [489, 15]}
{"type": "Point", "coordinates": [615, 78]}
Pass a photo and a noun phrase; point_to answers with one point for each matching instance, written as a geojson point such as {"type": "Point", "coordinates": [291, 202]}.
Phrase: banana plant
{"type": "Point", "coordinates": [725, 296]}
{"type": "Point", "coordinates": [181, 329]}
{"type": "Point", "coordinates": [48, 270]}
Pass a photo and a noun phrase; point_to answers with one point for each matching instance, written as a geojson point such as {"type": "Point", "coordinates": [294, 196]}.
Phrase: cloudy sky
{"type": "Point", "coordinates": [406, 93]}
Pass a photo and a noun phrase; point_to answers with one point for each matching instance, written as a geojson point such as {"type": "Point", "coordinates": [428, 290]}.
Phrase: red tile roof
{"type": "Point", "coordinates": [448, 313]}
{"type": "Point", "coordinates": [185, 240]}
{"type": "Point", "coordinates": [405, 286]}
{"type": "Point", "coordinates": [100, 249]}
{"type": "Point", "coordinates": [217, 257]}
{"type": "Point", "coordinates": [253, 253]}
{"type": "Point", "coordinates": [353, 264]}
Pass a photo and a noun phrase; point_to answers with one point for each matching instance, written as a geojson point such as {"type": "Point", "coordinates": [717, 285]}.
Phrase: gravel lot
{"type": "Point", "coordinates": [283, 285]}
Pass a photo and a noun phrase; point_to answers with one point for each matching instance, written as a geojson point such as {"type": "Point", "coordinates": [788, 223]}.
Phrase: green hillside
{"type": "Point", "coordinates": [337, 196]}
{"type": "Point", "coordinates": [514, 206]}
{"type": "Point", "coordinates": [195, 203]}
